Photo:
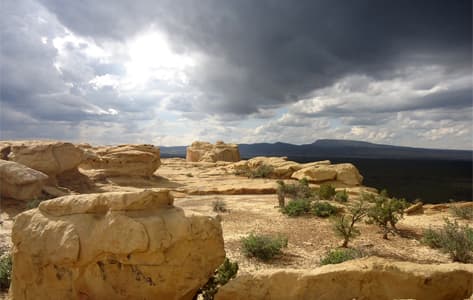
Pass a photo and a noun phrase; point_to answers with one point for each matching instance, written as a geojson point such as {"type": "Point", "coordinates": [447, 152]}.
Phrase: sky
{"type": "Point", "coordinates": [168, 72]}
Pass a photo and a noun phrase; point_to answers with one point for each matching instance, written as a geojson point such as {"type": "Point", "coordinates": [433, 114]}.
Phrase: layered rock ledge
{"type": "Point", "coordinates": [133, 245]}
{"type": "Point", "coordinates": [122, 160]}
{"type": "Point", "coordinates": [363, 279]}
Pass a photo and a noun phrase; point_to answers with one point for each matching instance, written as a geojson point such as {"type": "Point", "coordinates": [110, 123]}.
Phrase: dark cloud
{"type": "Point", "coordinates": [271, 52]}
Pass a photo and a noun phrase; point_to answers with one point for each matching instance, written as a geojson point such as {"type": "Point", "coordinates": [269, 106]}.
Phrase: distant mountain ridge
{"type": "Point", "coordinates": [331, 148]}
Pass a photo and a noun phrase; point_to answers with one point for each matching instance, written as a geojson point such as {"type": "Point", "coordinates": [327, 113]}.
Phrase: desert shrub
{"type": "Point", "coordinates": [324, 209]}
{"type": "Point", "coordinates": [219, 205]}
{"type": "Point", "coordinates": [385, 211]}
{"type": "Point", "coordinates": [222, 275]}
{"type": "Point", "coordinates": [263, 247]}
{"type": "Point", "coordinates": [341, 196]}
{"type": "Point", "coordinates": [453, 239]}
{"type": "Point", "coordinates": [465, 212]}
{"type": "Point", "coordinates": [189, 175]}
{"type": "Point", "coordinates": [300, 189]}
{"type": "Point", "coordinates": [262, 171]}
{"type": "Point", "coordinates": [337, 256]}
{"type": "Point", "coordinates": [344, 225]}
{"type": "Point", "coordinates": [432, 238]}
{"type": "Point", "coordinates": [5, 270]}
{"type": "Point", "coordinates": [326, 192]}
{"type": "Point", "coordinates": [296, 207]}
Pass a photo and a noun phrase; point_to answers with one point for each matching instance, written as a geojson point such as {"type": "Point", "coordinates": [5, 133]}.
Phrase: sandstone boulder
{"type": "Point", "coordinates": [206, 152]}
{"type": "Point", "coordinates": [345, 173]}
{"type": "Point", "coordinates": [316, 174]}
{"type": "Point", "coordinates": [123, 160]}
{"type": "Point", "coordinates": [20, 182]}
{"type": "Point", "coordinates": [49, 157]}
{"type": "Point", "coordinates": [133, 245]}
{"type": "Point", "coordinates": [371, 278]}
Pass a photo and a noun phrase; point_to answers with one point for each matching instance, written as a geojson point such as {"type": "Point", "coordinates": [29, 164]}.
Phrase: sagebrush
{"type": "Point", "coordinates": [324, 209]}
{"type": "Point", "coordinates": [337, 256]}
{"type": "Point", "coordinates": [326, 191]}
{"type": "Point", "coordinates": [263, 247]}
{"type": "Point", "coordinates": [453, 239]}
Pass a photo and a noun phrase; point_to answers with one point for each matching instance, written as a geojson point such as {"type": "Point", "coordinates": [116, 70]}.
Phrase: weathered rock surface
{"type": "Point", "coordinates": [20, 182]}
{"type": "Point", "coordinates": [416, 208]}
{"type": "Point", "coordinates": [123, 160]}
{"type": "Point", "coordinates": [316, 172]}
{"type": "Point", "coordinates": [371, 278]}
{"type": "Point", "coordinates": [281, 167]}
{"type": "Point", "coordinates": [49, 157]}
{"type": "Point", "coordinates": [346, 173]}
{"type": "Point", "coordinates": [133, 245]}
{"type": "Point", "coordinates": [206, 152]}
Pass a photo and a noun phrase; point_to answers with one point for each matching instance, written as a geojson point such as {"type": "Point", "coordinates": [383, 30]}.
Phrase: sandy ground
{"type": "Point", "coordinates": [309, 237]}
{"type": "Point", "coordinates": [252, 208]}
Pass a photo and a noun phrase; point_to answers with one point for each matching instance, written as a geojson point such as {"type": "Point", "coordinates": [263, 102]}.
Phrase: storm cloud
{"type": "Point", "coordinates": [340, 65]}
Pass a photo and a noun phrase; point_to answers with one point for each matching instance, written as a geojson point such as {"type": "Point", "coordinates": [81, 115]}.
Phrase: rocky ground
{"type": "Point", "coordinates": [251, 205]}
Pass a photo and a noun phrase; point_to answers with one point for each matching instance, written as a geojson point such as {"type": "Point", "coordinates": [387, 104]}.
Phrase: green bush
{"type": "Point", "coordinates": [465, 212]}
{"type": "Point", "coordinates": [341, 196]}
{"type": "Point", "coordinates": [296, 207]}
{"type": "Point", "coordinates": [337, 256]}
{"type": "Point", "coordinates": [263, 247]}
{"type": "Point", "coordinates": [222, 275]}
{"type": "Point", "coordinates": [219, 206]}
{"type": "Point", "coordinates": [324, 209]}
{"type": "Point", "coordinates": [262, 171]}
{"type": "Point", "coordinates": [385, 212]}
{"type": "Point", "coordinates": [5, 270]}
{"type": "Point", "coordinates": [453, 239]}
{"type": "Point", "coordinates": [326, 192]}
{"type": "Point", "coordinates": [298, 190]}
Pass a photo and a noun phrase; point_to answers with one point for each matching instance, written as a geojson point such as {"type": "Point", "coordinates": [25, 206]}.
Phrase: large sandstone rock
{"type": "Point", "coordinates": [49, 157]}
{"type": "Point", "coordinates": [345, 173]}
{"type": "Point", "coordinates": [316, 174]}
{"type": "Point", "coordinates": [206, 152]}
{"type": "Point", "coordinates": [371, 278]}
{"type": "Point", "coordinates": [123, 160]}
{"type": "Point", "coordinates": [281, 167]}
{"type": "Point", "coordinates": [134, 245]}
{"type": "Point", "coordinates": [20, 182]}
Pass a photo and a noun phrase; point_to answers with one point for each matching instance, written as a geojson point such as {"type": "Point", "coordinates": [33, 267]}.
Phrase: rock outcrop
{"type": "Point", "coordinates": [123, 160]}
{"type": "Point", "coordinates": [207, 152]}
{"type": "Point", "coordinates": [371, 278]}
{"type": "Point", "coordinates": [316, 172]}
{"type": "Point", "coordinates": [50, 157]}
{"type": "Point", "coordinates": [20, 182]}
{"type": "Point", "coordinates": [346, 173]}
{"type": "Point", "coordinates": [133, 245]}
{"type": "Point", "coordinates": [281, 167]}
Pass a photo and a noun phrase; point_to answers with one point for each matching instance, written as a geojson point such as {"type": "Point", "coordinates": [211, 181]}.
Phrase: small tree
{"type": "Point", "coordinates": [345, 224]}
{"type": "Point", "coordinates": [385, 212]}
